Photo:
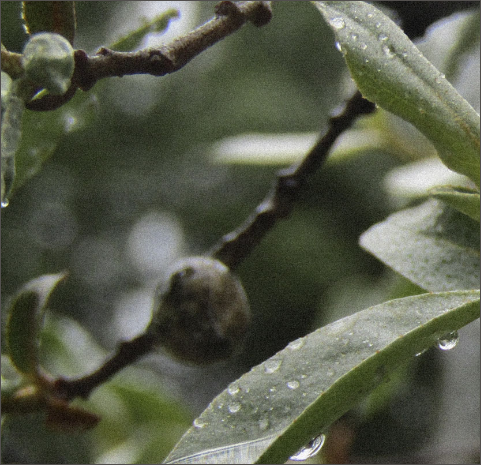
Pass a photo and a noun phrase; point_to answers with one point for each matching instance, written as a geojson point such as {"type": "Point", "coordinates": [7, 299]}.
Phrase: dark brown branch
{"type": "Point", "coordinates": [127, 353]}
{"type": "Point", "coordinates": [235, 246]}
{"type": "Point", "coordinates": [230, 16]}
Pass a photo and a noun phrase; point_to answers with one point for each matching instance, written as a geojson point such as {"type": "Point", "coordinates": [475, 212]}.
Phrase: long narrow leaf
{"type": "Point", "coordinates": [391, 71]}
{"type": "Point", "coordinates": [272, 411]}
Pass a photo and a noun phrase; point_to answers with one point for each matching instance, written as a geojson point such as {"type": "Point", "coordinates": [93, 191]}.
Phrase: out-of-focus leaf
{"type": "Point", "coordinates": [414, 180]}
{"type": "Point", "coordinates": [133, 40]}
{"type": "Point", "coordinates": [433, 245]}
{"type": "Point", "coordinates": [390, 70]}
{"type": "Point", "coordinates": [464, 200]}
{"type": "Point", "coordinates": [58, 17]}
{"type": "Point", "coordinates": [272, 411]}
{"type": "Point", "coordinates": [24, 320]}
{"type": "Point", "coordinates": [42, 131]}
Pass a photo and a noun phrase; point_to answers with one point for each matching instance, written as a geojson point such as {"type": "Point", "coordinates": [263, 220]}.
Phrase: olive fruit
{"type": "Point", "coordinates": [201, 314]}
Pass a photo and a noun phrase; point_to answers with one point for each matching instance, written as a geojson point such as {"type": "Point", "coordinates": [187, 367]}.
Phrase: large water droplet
{"type": "Point", "coordinates": [449, 341]}
{"type": "Point", "coordinates": [293, 384]}
{"type": "Point", "coordinates": [272, 365]}
{"type": "Point", "coordinates": [338, 23]}
{"type": "Point", "coordinates": [314, 446]}
{"type": "Point", "coordinates": [5, 202]}
{"type": "Point", "coordinates": [234, 407]}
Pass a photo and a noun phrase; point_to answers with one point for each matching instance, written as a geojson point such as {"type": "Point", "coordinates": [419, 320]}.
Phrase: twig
{"type": "Point", "coordinates": [127, 353]}
{"type": "Point", "coordinates": [229, 17]}
{"type": "Point", "coordinates": [235, 246]}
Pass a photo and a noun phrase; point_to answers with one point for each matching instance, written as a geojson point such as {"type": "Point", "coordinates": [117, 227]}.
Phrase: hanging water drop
{"type": "Point", "coordinates": [314, 446]}
{"type": "Point", "coordinates": [449, 341]}
{"type": "Point", "coordinates": [272, 365]}
{"type": "Point", "coordinates": [5, 202]}
{"type": "Point", "coordinates": [338, 23]}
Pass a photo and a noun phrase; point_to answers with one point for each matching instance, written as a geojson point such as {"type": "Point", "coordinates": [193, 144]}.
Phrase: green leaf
{"type": "Point", "coordinates": [134, 38]}
{"type": "Point", "coordinates": [272, 411]}
{"type": "Point", "coordinates": [433, 245]}
{"type": "Point", "coordinates": [58, 17]}
{"type": "Point", "coordinates": [390, 71]}
{"type": "Point", "coordinates": [24, 320]}
{"type": "Point", "coordinates": [464, 200]}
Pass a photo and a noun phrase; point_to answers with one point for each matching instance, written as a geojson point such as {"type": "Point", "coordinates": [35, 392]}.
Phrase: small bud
{"type": "Point", "coordinates": [201, 314]}
{"type": "Point", "coordinates": [48, 61]}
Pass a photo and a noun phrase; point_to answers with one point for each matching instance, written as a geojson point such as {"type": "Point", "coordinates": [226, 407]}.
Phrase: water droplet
{"type": "Point", "coordinates": [378, 25]}
{"type": "Point", "coordinates": [293, 384]}
{"type": "Point", "coordinates": [297, 344]}
{"type": "Point", "coordinates": [69, 122]}
{"type": "Point", "coordinates": [272, 365]}
{"type": "Point", "coordinates": [442, 76]}
{"type": "Point", "coordinates": [449, 341]}
{"type": "Point", "coordinates": [339, 47]}
{"type": "Point", "coordinates": [233, 389]}
{"type": "Point", "coordinates": [198, 423]}
{"type": "Point", "coordinates": [330, 372]}
{"type": "Point", "coordinates": [5, 202]}
{"type": "Point", "coordinates": [363, 46]}
{"type": "Point", "coordinates": [338, 23]}
{"type": "Point", "coordinates": [387, 51]}
{"type": "Point", "coordinates": [382, 37]}
{"type": "Point", "coordinates": [234, 407]}
{"type": "Point", "coordinates": [263, 424]}
{"type": "Point", "coordinates": [354, 36]}
{"type": "Point", "coordinates": [404, 53]}
{"type": "Point", "coordinates": [314, 446]}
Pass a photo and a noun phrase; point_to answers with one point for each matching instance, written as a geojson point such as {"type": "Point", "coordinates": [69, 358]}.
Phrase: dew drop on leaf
{"type": "Point", "coordinates": [234, 407]}
{"type": "Point", "coordinates": [293, 384]}
{"type": "Point", "coordinates": [338, 23]}
{"type": "Point", "coordinates": [449, 341]}
{"type": "Point", "coordinates": [311, 449]}
{"type": "Point", "coordinates": [272, 365]}
{"type": "Point", "coordinates": [233, 389]}
{"type": "Point", "coordinates": [198, 423]}
{"type": "Point", "coordinates": [297, 344]}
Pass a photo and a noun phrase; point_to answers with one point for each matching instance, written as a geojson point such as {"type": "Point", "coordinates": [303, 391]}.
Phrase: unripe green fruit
{"type": "Point", "coordinates": [201, 314]}
{"type": "Point", "coordinates": [48, 61]}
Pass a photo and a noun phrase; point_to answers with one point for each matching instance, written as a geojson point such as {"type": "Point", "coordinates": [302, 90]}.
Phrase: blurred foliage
{"type": "Point", "coordinates": [134, 186]}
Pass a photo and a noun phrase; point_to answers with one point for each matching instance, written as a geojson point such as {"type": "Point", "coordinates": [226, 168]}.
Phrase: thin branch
{"type": "Point", "coordinates": [235, 246]}
{"type": "Point", "coordinates": [126, 354]}
{"type": "Point", "coordinates": [229, 17]}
